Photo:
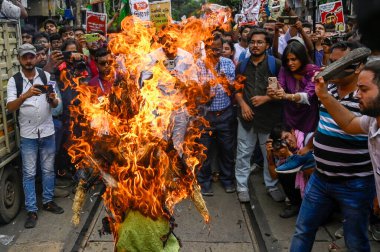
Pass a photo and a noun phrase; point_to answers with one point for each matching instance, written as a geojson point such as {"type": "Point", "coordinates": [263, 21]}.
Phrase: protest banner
{"type": "Point", "coordinates": [250, 11]}
{"type": "Point", "coordinates": [332, 16]}
{"type": "Point", "coordinates": [140, 9]}
{"type": "Point", "coordinates": [96, 22]}
{"type": "Point", "coordinates": [160, 12]}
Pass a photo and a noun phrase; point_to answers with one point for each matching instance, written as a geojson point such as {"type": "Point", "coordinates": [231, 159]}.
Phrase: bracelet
{"type": "Point", "coordinates": [293, 97]}
{"type": "Point", "coordinates": [22, 97]}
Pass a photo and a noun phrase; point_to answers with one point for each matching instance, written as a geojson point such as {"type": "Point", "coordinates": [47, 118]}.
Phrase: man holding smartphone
{"type": "Point", "coordinates": [36, 130]}
{"type": "Point", "coordinates": [254, 121]}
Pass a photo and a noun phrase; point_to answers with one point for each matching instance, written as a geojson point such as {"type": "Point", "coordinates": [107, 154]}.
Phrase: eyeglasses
{"type": "Point", "coordinates": [259, 43]}
{"type": "Point", "coordinates": [104, 63]}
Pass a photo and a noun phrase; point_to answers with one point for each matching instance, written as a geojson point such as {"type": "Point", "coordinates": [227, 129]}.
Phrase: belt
{"type": "Point", "coordinates": [334, 179]}
{"type": "Point", "coordinates": [220, 112]}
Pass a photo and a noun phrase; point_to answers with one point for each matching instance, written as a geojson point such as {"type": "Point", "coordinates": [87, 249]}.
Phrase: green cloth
{"type": "Point", "coordinates": [139, 233]}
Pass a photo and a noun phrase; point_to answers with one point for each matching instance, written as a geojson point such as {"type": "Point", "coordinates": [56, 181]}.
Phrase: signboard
{"type": "Point", "coordinates": [250, 10]}
{"type": "Point", "coordinates": [160, 12]}
{"type": "Point", "coordinates": [332, 16]}
{"type": "Point", "coordinates": [140, 8]}
{"type": "Point", "coordinates": [96, 22]}
{"type": "Point", "coordinates": [216, 14]}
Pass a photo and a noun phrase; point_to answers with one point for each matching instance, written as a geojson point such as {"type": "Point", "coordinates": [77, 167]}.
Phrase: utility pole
{"type": "Point", "coordinates": [78, 14]}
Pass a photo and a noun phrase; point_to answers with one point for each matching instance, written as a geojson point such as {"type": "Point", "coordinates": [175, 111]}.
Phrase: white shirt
{"type": "Point", "coordinates": [369, 125]}
{"type": "Point", "coordinates": [35, 115]}
{"type": "Point", "coordinates": [238, 50]}
{"type": "Point", "coordinates": [9, 10]}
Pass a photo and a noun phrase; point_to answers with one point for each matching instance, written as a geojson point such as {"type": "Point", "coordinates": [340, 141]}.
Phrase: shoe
{"type": "Point", "coordinates": [207, 192]}
{"type": "Point", "coordinates": [309, 164]}
{"type": "Point", "coordinates": [276, 194]}
{"type": "Point", "coordinates": [31, 221]}
{"type": "Point", "coordinates": [243, 196]}
{"type": "Point", "coordinates": [230, 189]}
{"type": "Point", "coordinates": [63, 183]}
{"type": "Point", "coordinates": [339, 233]}
{"type": "Point", "coordinates": [60, 193]}
{"type": "Point", "coordinates": [52, 207]}
{"type": "Point", "coordinates": [375, 231]}
{"type": "Point", "coordinates": [290, 211]}
{"type": "Point", "coordinates": [295, 162]}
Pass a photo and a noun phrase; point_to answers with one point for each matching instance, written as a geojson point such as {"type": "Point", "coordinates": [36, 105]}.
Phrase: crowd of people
{"type": "Point", "coordinates": [311, 135]}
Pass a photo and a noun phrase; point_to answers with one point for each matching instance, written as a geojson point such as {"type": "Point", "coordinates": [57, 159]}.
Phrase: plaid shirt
{"type": "Point", "coordinates": [221, 100]}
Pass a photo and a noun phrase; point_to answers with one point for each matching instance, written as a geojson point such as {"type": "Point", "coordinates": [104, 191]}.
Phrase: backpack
{"type": "Point", "coordinates": [19, 80]}
{"type": "Point", "coordinates": [271, 64]}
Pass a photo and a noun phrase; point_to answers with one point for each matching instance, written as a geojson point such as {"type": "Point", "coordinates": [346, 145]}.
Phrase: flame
{"type": "Point", "coordinates": [127, 136]}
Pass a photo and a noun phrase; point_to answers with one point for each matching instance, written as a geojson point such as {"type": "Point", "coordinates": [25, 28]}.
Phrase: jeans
{"type": "Point", "coordinates": [29, 150]}
{"type": "Point", "coordinates": [354, 197]}
{"type": "Point", "coordinates": [246, 142]}
{"type": "Point", "coordinates": [222, 129]}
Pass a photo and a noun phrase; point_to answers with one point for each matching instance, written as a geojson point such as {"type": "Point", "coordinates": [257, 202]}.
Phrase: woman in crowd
{"type": "Point", "coordinates": [283, 143]}
{"type": "Point", "coordinates": [228, 50]}
{"type": "Point", "coordinates": [297, 89]}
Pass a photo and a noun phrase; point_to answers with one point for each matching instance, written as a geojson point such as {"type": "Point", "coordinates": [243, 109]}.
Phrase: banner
{"type": "Point", "coordinates": [140, 8]}
{"type": "Point", "coordinates": [250, 10]}
{"type": "Point", "coordinates": [276, 7]}
{"type": "Point", "coordinates": [160, 12]}
{"type": "Point", "coordinates": [96, 22]}
{"type": "Point", "coordinates": [332, 16]}
{"type": "Point", "coordinates": [215, 14]}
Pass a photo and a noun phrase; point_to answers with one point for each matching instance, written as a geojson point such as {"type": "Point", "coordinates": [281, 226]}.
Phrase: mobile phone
{"type": "Point", "coordinates": [272, 82]}
{"type": "Point", "coordinates": [92, 37]}
{"type": "Point", "coordinates": [289, 20]}
{"type": "Point", "coordinates": [66, 55]}
{"type": "Point", "coordinates": [45, 89]}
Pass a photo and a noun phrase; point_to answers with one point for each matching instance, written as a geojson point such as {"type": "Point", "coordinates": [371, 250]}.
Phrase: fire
{"type": "Point", "coordinates": [129, 137]}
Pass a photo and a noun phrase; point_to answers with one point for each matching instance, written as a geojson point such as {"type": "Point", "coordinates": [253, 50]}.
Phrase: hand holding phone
{"type": "Point", "coordinates": [272, 82]}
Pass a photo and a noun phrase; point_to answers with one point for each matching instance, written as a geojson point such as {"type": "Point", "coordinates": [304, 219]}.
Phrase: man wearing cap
{"type": "Point", "coordinates": [36, 130]}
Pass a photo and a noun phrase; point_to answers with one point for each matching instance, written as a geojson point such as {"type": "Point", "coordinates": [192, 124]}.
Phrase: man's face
{"type": "Point", "coordinates": [320, 30]}
{"type": "Point", "coordinates": [216, 49]}
{"type": "Point", "coordinates": [27, 38]}
{"type": "Point", "coordinates": [78, 34]}
{"type": "Point", "coordinates": [257, 45]}
{"type": "Point", "coordinates": [43, 42]}
{"type": "Point", "coordinates": [270, 28]}
{"type": "Point", "coordinates": [68, 35]}
{"type": "Point", "coordinates": [104, 64]}
{"type": "Point", "coordinates": [28, 61]}
{"type": "Point", "coordinates": [331, 19]}
{"type": "Point", "coordinates": [41, 58]}
{"type": "Point", "coordinates": [368, 94]}
{"type": "Point", "coordinates": [56, 44]}
{"type": "Point", "coordinates": [346, 76]}
{"type": "Point", "coordinates": [244, 34]}
{"type": "Point", "coordinates": [50, 28]}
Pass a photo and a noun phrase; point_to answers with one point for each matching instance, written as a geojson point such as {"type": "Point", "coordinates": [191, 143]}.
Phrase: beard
{"type": "Point", "coordinates": [373, 108]}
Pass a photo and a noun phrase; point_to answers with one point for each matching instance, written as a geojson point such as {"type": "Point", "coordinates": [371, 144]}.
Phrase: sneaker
{"type": "Point", "coordinates": [230, 189]}
{"type": "Point", "coordinates": [375, 231]}
{"type": "Point", "coordinates": [63, 183]}
{"type": "Point", "coordinates": [61, 193]}
{"type": "Point", "coordinates": [309, 164]}
{"type": "Point", "coordinates": [295, 162]}
{"type": "Point", "coordinates": [276, 194]}
{"type": "Point", "coordinates": [52, 207]}
{"type": "Point", "coordinates": [207, 192]}
{"type": "Point", "coordinates": [339, 233]}
{"type": "Point", "coordinates": [290, 211]}
{"type": "Point", "coordinates": [31, 220]}
{"type": "Point", "coordinates": [243, 196]}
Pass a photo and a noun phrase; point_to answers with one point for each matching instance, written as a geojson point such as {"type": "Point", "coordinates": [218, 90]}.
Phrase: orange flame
{"type": "Point", "coordinates": [128, 135]}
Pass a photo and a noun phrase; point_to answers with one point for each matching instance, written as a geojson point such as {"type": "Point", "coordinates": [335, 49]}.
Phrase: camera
{"type": "Point", "coordinates": [289, 20]}
{"type": "Point", "coordinates": [279, 143]}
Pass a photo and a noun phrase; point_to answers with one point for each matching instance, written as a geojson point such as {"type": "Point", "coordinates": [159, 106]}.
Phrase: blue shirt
{"type": "Point", "coordinates": [220, 100]}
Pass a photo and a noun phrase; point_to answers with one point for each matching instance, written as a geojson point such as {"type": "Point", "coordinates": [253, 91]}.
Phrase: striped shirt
{"type": "Point", "coordinates": [336, 152]}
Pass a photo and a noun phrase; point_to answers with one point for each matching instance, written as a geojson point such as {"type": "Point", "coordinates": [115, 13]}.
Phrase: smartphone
{"type": "Point", "coordinates": [289, 20]}
{"type": "Point", "coordinates": [66, 55]}
{"type": "Point", "coordinates": [45, 89]}
{"type": "Point", "coordinates": [272, 82]}
{"type": "Point", "coordinates": [92, 37]}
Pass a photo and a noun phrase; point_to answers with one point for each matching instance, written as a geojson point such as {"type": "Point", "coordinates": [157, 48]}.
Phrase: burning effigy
{"type": "Point", "coordinates": [142, 138]}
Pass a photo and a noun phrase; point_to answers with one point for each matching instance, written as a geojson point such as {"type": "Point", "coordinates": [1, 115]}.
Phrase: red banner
{"type": "Point", "coordinates": [96, 22]}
